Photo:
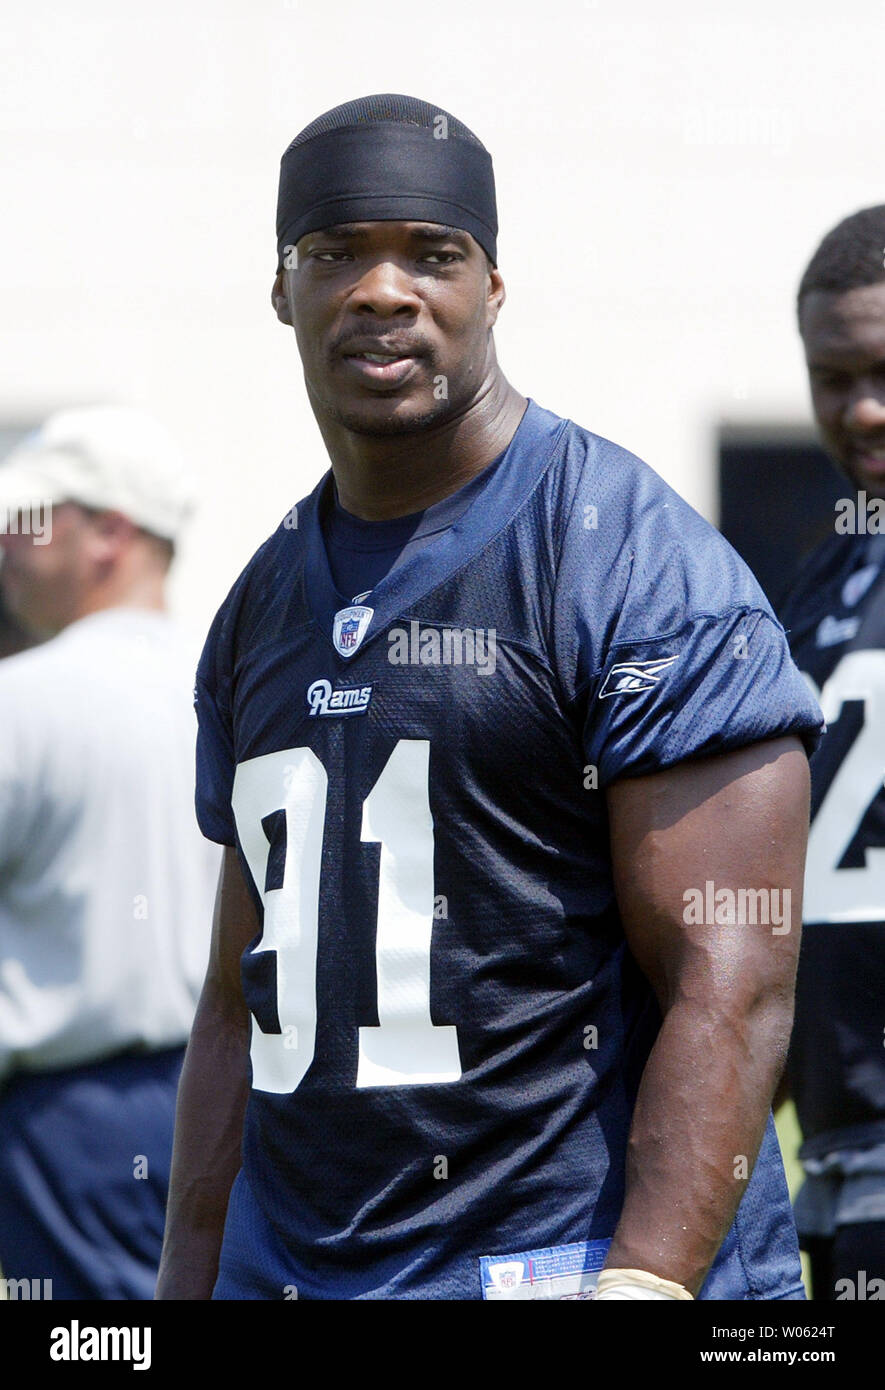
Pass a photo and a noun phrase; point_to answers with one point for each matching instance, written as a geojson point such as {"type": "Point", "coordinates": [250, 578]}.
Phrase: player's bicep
{"type": "Point", "coordinates": [708, 860]}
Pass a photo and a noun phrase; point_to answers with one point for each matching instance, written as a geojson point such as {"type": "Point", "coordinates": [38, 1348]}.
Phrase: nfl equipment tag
{"type": "Point", "coordinates": [349, 628]}
{"type": "Point", "coordinates": [560, 1271]}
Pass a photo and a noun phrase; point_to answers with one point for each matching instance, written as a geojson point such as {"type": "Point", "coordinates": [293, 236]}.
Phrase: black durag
{"type": "Point", "coordinates": [382, 159]}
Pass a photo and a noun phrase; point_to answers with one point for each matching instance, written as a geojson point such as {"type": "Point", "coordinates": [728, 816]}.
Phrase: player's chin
{"type": "Point", "coordinates": [406, 412]}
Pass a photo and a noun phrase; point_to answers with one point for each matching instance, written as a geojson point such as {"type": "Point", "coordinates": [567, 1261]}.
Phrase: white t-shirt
{"type": "Point", "coordinates": [106, 884]}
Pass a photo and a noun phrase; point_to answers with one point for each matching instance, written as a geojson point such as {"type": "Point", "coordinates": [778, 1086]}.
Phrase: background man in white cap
{"type": "Point", "coordinates": [106, 884]}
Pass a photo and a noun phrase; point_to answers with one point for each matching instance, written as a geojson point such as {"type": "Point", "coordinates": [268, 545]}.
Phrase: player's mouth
{"type": "Point", "coordinates": [380, 368]}
{"type": "Point", "coordinates": [387, 365]}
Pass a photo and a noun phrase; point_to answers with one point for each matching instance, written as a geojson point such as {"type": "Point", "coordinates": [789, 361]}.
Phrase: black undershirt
{"type": "Point", "coordinates": [361, 552]}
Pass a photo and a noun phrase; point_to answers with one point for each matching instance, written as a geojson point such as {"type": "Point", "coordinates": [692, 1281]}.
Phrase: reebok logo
{"type": "Point", "coordinates": [629, 677]}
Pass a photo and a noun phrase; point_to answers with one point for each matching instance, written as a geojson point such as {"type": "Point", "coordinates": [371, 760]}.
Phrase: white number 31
{"type": "Point", "coordinates": [405, 1048]}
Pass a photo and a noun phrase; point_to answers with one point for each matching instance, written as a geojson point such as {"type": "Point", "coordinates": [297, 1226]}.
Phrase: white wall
{"type": "Point", "coordinates": [664, 172]}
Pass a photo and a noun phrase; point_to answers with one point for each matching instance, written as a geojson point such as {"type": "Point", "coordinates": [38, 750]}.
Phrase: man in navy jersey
{"type": "Point", "coordinates": [501, 738]}
{"type": "Point", "coordinates": [836, 617]}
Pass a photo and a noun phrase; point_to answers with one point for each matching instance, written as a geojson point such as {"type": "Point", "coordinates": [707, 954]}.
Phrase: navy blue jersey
{"type": "Point", "coordinates": [448, 1030]}
{"type": "Point", "coordinates": [836, 617]}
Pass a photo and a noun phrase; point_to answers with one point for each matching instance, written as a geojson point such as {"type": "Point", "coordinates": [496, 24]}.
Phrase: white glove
{"type": "Point", "coordinates": [637, 1283]}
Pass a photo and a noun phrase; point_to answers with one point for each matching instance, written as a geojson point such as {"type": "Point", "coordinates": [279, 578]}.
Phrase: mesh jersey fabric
{"type": "Point", "coordinates": [613, 618]}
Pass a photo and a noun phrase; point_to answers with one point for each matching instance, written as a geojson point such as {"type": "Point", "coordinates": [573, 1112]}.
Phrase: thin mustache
{"type": "Point", "coordinates": [361, 342]}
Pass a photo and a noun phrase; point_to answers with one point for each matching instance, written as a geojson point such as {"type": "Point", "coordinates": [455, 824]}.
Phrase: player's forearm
{"type": "Point", "coordinates": [206, 1154]}
{"type": "Point", "coordinates": [697, 1127]}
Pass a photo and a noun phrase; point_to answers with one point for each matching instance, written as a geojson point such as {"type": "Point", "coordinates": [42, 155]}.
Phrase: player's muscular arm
{"type": "Point", "coordinates": [725, 991]}
{"type": "Point", "coordinates": [211, 1103]}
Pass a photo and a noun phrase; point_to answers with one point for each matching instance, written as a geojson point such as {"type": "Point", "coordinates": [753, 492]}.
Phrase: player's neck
{"type": "Point", "coordinates": [380, 477]}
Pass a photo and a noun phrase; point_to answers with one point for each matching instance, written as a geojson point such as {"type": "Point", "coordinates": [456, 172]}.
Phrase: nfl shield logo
{"type": "Point", "coordinates": [508, 1276]}
{"type": "Point", "coordinates": [349, 628]}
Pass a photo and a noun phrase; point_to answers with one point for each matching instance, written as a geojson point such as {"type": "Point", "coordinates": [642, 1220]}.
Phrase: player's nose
{"type": "Point", "coordinates": [385, 288]}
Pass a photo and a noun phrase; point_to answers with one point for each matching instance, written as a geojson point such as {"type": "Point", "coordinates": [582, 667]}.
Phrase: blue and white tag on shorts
{"type": "Point", "coordinates": [560, 1271]}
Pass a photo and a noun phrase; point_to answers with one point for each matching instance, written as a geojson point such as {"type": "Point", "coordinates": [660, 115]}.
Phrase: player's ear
{"type": "Point", "coordinates": [495, 295]}
{"type": "Point", "coordinates": [280, 300]}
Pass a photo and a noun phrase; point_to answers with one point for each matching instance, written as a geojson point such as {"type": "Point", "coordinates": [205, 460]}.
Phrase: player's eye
{"type": "Point", "coordinates": [330, 257]}
{"type": "Point", "coordinates": [442, 257]}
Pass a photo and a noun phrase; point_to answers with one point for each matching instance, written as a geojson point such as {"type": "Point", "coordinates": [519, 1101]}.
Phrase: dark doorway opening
{"type": "Point", "coordinates": [777, 492]}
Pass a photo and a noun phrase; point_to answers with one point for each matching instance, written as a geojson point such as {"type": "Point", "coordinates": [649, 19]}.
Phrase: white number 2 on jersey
{"type": "Point", "coordinates": [849, 895]}
{"type": "Point", "coordinates": [405, 1048]}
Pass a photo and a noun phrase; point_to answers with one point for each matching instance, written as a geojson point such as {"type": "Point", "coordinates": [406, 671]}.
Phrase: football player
{"type": "Point", "coordinates": [836, 618]}
{"type": "Point", "coordinates": [497, 732]}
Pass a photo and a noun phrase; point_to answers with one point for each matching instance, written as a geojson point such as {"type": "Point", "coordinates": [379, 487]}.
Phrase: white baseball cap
{"type": "Point", "coordinates": [113, 458]}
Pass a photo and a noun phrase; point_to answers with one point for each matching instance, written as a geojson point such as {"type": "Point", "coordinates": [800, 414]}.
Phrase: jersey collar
{"type": "Point", "coordinates": [511, 483]}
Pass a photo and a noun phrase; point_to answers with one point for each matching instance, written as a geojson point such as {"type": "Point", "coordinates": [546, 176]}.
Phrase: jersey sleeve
{"type": "Point", "coordinates": [671, 645]}
{"type": "Point", "coordinates": [216, 761]}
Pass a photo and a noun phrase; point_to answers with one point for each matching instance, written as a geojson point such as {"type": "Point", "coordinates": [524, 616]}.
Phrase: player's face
{"type": "Point", "coordinates": [42, 583]}
{"type": "Point", "coordinates": [418, 296]}
{"type": "Point", "coordinates": [844, 337]}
